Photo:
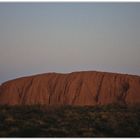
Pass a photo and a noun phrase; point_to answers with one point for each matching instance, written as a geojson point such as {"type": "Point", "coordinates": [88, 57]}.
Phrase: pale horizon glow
{"type": "Point", "coordinates": [39, 38]}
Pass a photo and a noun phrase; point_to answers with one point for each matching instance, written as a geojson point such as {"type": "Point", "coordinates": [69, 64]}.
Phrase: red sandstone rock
{"type": "Point", "coordinates": [77, 88]}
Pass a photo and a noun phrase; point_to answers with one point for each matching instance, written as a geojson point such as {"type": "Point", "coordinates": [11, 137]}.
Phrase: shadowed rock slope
{"type": "Point", "coordinates": [77, 88]}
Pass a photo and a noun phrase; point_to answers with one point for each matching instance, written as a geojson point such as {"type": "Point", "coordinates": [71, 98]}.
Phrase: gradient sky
{"type": "Point", "coordinates": [64, 37]}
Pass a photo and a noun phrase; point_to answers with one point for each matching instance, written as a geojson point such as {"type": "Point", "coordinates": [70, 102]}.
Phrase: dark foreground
{"type": "Point", "coordinates": [68, 121]}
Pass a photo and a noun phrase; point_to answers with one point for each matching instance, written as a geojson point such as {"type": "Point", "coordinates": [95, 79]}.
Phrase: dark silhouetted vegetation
{"type": "Point", "coordinates": [70, 121]}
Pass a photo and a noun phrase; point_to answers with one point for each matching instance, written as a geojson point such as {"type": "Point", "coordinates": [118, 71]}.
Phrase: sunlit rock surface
{"type": "Point", "coordinates": [77, 88]}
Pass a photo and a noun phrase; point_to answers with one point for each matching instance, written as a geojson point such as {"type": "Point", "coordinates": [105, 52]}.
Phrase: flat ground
{"type": "Point", "coordinates": [70, 121]}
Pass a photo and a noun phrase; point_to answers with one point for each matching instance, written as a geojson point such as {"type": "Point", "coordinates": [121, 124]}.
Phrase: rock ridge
{"type": "Point", "coordinates": [76, 88]}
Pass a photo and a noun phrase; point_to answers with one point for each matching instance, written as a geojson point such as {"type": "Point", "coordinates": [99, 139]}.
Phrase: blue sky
{"type": "Point", "coordinates": [65, 37]}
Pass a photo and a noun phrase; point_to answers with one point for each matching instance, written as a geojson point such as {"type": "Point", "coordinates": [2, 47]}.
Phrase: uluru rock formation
{"type": "Point", "coordinates": [77, 88]}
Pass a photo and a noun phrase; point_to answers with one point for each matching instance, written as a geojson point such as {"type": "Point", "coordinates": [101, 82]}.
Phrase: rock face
{"type": "Point", "coordinates": [77, 88]}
